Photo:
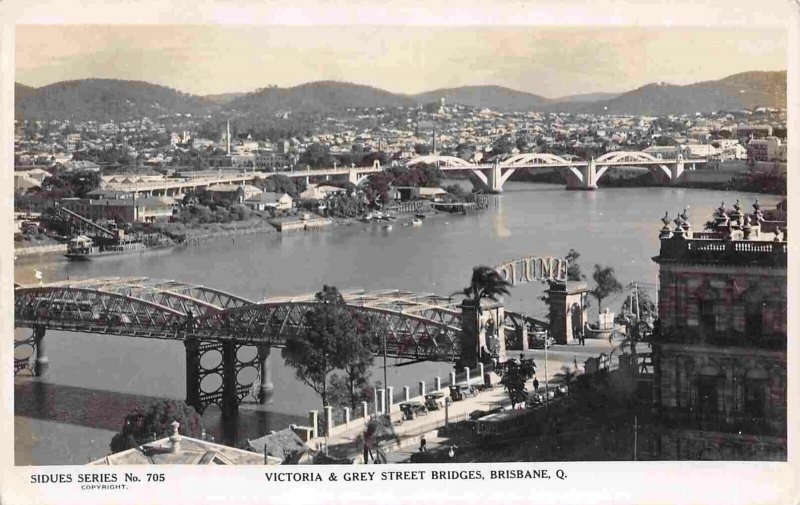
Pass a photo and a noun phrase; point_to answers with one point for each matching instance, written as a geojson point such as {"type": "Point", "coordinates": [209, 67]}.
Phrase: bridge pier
{"type": "Point", "coordinates": [495, 179]}
{"type": "Point", "coordinates": [42, 364]}
{"type": "Point", "coordinates": [588, 177]}
{"type": "Point", "coordinates": [266, 388]}
{"type": "Point", "coordinates": [230, 395]}
{"type": "Point", "coordinates": [676, 172]}
{"type": "Point", "coordinates": [482, 332]}
{"type": "Point", "coordinates": [192, 347]}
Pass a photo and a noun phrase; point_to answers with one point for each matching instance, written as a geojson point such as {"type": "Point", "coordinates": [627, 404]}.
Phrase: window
{"type": "Point", "coordinates": [756, 389]}
{"type": "Point", "coordinates": [754, 320]}
{"type": "Point", "coordinates": [708, 319]}
{"type": "Point", "coordinates": [707, 395]}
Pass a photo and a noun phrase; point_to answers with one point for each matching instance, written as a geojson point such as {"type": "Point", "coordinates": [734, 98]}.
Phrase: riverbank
{"type": "Point", "coordinates": [718, 180]}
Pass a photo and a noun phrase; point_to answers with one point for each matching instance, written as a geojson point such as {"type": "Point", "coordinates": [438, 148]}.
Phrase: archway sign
{"type": "Point", "coordinates": [532, 269]}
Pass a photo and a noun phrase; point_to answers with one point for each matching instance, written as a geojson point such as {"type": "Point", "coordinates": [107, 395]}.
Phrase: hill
{"type": "Point", "coordinates": [315, 97]}
{"type": "Point", "coordinates": [747, 90]}
{"type": "Point", "coordinates": [221, 98]}
{"type": "Point", "coordinates": [585, 97]}
{"type": "Point", "coordinates": [22, 91]}
{"type": "Point", "coordinates": [104, 99]}
{"type": "Point", "coordinates": [493, 97]}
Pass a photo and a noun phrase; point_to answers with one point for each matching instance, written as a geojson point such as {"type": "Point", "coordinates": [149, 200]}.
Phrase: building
{"type": "Point", "coordinates": [238, 193]}
{"type": "Point", "coordinates": [270, 200]}
{"type": "Point", "coordinates": [766, 149]}
{"type": "Point", "coordinates": [142, 210]}
{"type": "Point", "coordinates": [321, 192]}
{"type": "Point", "coordinates": [719, 349]}
{"type": "Point", "coordinates": [753, 131]}
{"type": "Point", "coordinates": [182, 450]}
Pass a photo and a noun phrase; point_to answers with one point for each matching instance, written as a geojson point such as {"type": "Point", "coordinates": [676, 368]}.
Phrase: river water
{"type": "Point", "coordinates": [69, 416]}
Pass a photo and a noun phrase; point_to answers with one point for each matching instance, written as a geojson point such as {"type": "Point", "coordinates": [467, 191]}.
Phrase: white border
{"type": "Point", "coordinates": [618, 483]}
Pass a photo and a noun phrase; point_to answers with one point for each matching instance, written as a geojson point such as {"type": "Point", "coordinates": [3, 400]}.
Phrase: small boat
{"type": "Point", "coordinates": [387, 227]}
{"type": "Point", "coordinates": [420, 216]}
{"type": "Point", "coordinates": [416, 222]}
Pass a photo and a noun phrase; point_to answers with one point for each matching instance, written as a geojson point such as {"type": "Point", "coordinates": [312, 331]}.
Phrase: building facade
{"type": "Point", "coordinates": [719, 351]}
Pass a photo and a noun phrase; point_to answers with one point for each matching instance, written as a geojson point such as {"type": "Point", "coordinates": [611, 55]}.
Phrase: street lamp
{"type": "Point", "coordinates": [387, 402]}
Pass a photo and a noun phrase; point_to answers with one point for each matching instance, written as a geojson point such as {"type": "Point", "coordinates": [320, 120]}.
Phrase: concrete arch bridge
{"type": "Point", "coordinates": [580, 174]}
{"type": "Point", "coordinates": [228, 338]}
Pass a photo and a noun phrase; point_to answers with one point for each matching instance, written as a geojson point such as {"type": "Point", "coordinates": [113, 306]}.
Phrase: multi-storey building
{"type": "Point", "coordinates": [719, 350]}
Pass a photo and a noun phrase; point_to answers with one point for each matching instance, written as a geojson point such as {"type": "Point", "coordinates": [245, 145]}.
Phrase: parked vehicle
{"type": "Point", "coordinates": [411, 410]}
{"type": "Point", "coordinates": [535, 400]}
{"type": "Point", "coordinates": [461, 391]}
{"type": "Point", "coordinates": [562, 390]}
{"type": "Point", "coordinates": [434, 401]}
{"type": "Point", "coordinates": [542, 340]}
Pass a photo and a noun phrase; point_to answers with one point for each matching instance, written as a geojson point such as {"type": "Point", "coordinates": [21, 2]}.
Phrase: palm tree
{"type": "Point", "coordinates": [606, 284]}
{"type": "Point", "coordinates": [486, 282]}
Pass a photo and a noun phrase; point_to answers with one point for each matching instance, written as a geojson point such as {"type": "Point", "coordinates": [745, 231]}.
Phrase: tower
{"type": "Point", "coordinates": [228, 138]}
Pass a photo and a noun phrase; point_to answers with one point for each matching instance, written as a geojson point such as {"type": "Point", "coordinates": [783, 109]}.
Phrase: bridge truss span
{"type": "Point", "coordinates": [415, 326]}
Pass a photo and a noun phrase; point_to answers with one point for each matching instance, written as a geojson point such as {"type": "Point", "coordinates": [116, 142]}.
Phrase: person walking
{"type": "Point", "coordinates": [535, 385]}
{"type": "Point", "coordinates": [423, 444]}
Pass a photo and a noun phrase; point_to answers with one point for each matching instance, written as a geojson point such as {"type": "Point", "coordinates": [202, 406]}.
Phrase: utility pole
{"type": "Point", "coordinates": [635, 436]}
{"type": "Point", "coordinates": [386, 400]}
{"type": "Point", "coordinates": [546, 388]}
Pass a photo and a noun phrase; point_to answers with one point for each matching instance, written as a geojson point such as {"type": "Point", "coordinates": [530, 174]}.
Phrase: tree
{"type": "Point", "coordinates": [154, 423]}
{"type": "Point", "coordinates": [606, 284]}
{"type": "Point", "coordinates": [315, 352]}
{"type": "Point", "coordinates": [513, 375]}
{"type": "Point", "coordinates": [332, 339]}
{"type": "Point", "coordinates": [486, 282]}
{"type": "Point", "coordinates": [352, 387]}
{"type": "Point", "coordinates": [573, 268]}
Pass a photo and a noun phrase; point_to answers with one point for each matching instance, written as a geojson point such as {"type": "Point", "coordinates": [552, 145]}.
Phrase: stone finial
{"type": "Point", "coordinates": [746, 229]}
{"type": "Point", "coordinates": [756, 205]}
{"type": "Point", "coordinates": [737, 206]}
{"type": "Point", "coordinates": [778, 235]}
{"type": "Point", "coordinates": [665, 231]}
{"type": "Point", "coordinates": [721, 210]}
{"type": "Point", "coordinates": [174, 437]}
{"type": "Point", "coordinates": [685, 219]}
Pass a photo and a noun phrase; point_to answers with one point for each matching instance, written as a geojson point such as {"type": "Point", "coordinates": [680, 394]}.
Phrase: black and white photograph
{"type": "Point", "coordinates": [472, 249]}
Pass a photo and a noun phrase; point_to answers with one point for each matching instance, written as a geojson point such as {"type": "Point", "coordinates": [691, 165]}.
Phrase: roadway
{"type": "Point", "coordinates": [409, 432]}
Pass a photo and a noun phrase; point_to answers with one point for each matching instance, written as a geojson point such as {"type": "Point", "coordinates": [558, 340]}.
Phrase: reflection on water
{"type": "Point", "coordinates": [90, 410]}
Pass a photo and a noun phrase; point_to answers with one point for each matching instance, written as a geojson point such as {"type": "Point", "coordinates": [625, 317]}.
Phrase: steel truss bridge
{"type": "Point", "coordinates": [225, 334]}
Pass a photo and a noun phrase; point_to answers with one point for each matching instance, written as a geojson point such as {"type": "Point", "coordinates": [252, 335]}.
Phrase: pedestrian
{"type": "Point", "coordinates": [423, 444]}
{"type": "Point", "coordinates": [536, 384]}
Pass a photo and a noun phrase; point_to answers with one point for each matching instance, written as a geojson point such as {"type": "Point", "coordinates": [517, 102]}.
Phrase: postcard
{"type": "Point", "coordinates": [518, 253]}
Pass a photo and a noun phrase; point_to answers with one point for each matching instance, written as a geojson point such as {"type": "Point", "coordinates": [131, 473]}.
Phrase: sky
{"type": "Point", "coordinates": [548, 61]}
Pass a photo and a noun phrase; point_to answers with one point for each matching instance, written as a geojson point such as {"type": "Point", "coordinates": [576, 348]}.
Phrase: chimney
{"type": "Point", "coordinates": [174, 438]}
{"type": "Point", "coordinates": [228, 138]}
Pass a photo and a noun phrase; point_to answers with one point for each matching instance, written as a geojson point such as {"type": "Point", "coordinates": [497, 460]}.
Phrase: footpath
{"type": "Point", "coordinates": [345, 441]}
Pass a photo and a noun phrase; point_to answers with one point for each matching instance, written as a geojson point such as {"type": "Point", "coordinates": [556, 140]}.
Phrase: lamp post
{"type": "Point", "coordinates": [387, 402]}
{"type": "Point", "coordinates": [546, 389]}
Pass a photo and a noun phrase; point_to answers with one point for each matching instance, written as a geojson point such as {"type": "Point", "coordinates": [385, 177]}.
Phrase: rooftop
{"type": "Point", "coordinates": [191, 451]}
{"type": "Point", "coordinates": [732, 237]}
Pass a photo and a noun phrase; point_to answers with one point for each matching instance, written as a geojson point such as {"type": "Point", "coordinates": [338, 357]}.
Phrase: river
{"type": "Point", "coordinates": [108, 374]}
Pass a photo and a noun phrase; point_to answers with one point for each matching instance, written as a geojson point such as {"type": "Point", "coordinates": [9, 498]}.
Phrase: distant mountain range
{"type": "Point", "coordinates": [747, 90]}
{"type": "Point", "coordinates": [103, 99]}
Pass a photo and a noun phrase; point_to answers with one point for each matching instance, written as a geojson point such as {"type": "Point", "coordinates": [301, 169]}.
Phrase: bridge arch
{"type": "Point", "coordinates": [605, 161]}
{"type": "Point", "coordinates": [447, 161]}
{"type": "Point", "coordinates": [530, 158]}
